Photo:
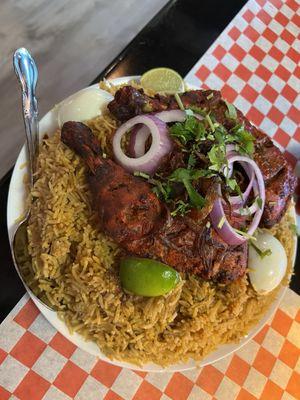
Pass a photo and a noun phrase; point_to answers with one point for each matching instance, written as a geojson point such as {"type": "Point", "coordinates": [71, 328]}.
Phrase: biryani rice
{"type": "Point", "coordinates": [76, 267]}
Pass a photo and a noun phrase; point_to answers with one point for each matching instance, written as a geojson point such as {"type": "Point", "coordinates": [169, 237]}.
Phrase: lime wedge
{"type": "Point", "coordinates": [162, 80]}
{"type": "Point", "coordinates": [146, 277]}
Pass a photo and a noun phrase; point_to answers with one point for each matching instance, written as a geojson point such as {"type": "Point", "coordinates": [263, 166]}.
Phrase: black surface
{"type": "Point", "coordinates": [11, 287]}
{"type": "Point", "coordinates": [176, 37]}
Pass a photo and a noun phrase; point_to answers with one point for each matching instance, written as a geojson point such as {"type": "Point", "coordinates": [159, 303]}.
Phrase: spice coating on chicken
{"type": "Point", "coordinates": [138, 221]}
{"type": "Point", "coordinates": [127, 209]}
{"type": "Point", "coordinates": [280, 182]}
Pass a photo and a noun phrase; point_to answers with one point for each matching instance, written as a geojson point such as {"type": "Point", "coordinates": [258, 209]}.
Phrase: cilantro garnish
{"type": "Point", "coordinates": [245, 234]}
{"type": "Point", "coordinates": [210, 122]}
{"type": "Point", "coordinates": [190, 129]}
{"type": "Point", "coordinates": [231, 111]}
{"type": "Point", "coordinates": [188, 111]}
{"type": "Point", "coordinates": [245, 211]}
{"type": "Point", "coordinates": [232, 183]}
{"type": "Point", "coordinates": [182, 208]}
{"type": "Point", "coordinates": [259, 202]}
{"type": "Point", "coordinates": [243, 138]}
{"type": "Point", "coordinates": [191, 161]}
{"type": "Point", "coordinates": [198, 110]}
{"type": "Point", "coordinates": [222, 222]}
{"type": "Point", "coordinates": [162, 189]}
{"type": "Point", "coordinates": [186, 176]}
{"type": "Point", "coordinates": [260, 252]}
{"type": "Point", "coordinates": [217, 157]}
{"type": "Point", "coordinates": [141, 174]}
{"type": "Point", "coordinates": [204, 143]}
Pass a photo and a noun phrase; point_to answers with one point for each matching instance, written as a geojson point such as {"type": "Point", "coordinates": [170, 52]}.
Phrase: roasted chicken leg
{"type": "Point", "coordinates": [138, 221]}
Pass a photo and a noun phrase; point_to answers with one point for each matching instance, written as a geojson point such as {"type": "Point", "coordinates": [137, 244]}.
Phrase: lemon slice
{"type": "Point", "coordinates": [162, 80]}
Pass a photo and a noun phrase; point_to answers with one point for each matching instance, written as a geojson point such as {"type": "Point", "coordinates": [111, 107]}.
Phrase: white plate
{"type": "Point", "coordinates": [15, 208]}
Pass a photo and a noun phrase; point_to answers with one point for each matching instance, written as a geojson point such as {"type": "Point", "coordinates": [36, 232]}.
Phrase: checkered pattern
{"type": "Point", "coordinates": [41, 364]}
{"type": "Point", "coordinates": [255, 63]}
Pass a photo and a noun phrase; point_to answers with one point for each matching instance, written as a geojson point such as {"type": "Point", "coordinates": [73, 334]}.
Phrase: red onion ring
{"type": "Point", "coordinates": [160, 146]}
{"type": "Point", "coordinates": [140, 135]}
{"type": "Point", "coordinates": [226, 231]}
{"type": "Point", "coordinates": [137, 142]}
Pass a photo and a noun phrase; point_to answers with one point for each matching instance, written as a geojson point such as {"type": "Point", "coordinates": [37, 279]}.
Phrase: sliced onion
{"type": "Point", "coordinates": [173, 116]}
{"type": "Point", "coordinates": [258, 188]}
{"type": "Point", "coordinates": [137, 142]}
{"type": "Point", "coordinates": [230, 148]}
{"type": "Point", "coordinates": [140, 135]}
{"type": "Point", "coordinates": [160, 146]}
{"type": "Point", "coordinates": [225, 230]}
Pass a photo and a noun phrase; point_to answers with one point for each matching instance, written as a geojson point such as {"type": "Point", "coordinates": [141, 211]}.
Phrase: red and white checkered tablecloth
{"type": "Point", "coordinates": [255, 63]}
{"type": "Point", "coordinates": [37, 362]}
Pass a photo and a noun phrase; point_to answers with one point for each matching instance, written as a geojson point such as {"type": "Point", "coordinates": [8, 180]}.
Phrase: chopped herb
{"type": "Point", "coordinates": [206, 173]}
{"type": "Point", "coordinates": [221, 222]}
{"type": "Point", "coordinates": [198, 110]}
{"type": "Point", "coordinates": [201, 132]}
{"type": "Point", "coordinates": [260, 252]}
{"type": "Point", "coordinates": [231, 111]}
{"type": "Point", "coordinates": [243, 138]}
{"type": "Point", "coordinates": [189, 174]}
{"type": "Point", "coordinates": [190, 129]}
{"type": "Point", "coordinates": [217, 157]}
{"type": "Point", "coordinates": [232, 183]}
{"type": "Point", "coordinates": [179, 102]}
{"type": "Point", "coordinates": [141, 174]}
{"type": "Point", "coordinates": [182, 208]}
{"type": "Point", "coordinates": [186, 176]}
{"type": "Point", "coordinates": [161, 189]}
{"type": "Point", "coordinates": [245, 234]}
{"type": "Point", "coordinates": [210, 123]}
{"type": "Point", "coordinates": [189, 112]}
{"type": "Point", "coordinates": [204, 143]}
{"type": "Point", "coordinates": [259, 202]}
{"type": "Point", "coordinates": [294, 229]}
{"type": "Point", "coordinates": [244, 211]}
{"type": "Point", "coordinates": [191, 161]}
{"type": "Point", "coordinates": [197, 200]}
{"type": "Point", "coordinates": [210, 96]}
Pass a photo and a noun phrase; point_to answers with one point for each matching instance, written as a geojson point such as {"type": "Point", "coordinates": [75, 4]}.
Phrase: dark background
{"type": "Point", "coordinates": [176, 37]}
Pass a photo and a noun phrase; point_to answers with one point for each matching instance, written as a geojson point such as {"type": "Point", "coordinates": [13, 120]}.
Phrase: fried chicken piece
{"type": "Point", "coordinates": [129, 102]}
{"type": "Point", "coordinates": [138, 221]}
{"type": "Point", "coordinates": [278, 190]}
{"type": "Point", "coordinates": [127, 209]}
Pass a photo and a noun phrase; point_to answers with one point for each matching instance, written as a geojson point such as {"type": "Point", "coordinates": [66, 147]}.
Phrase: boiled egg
{"type": "Point", "coordinates": [83, 105]}
{"type": "Point", "coordinates": [266, 272]}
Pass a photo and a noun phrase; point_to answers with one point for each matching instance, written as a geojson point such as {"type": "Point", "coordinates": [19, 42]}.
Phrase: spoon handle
{"type": "Point", "coordinates": [27, 74]}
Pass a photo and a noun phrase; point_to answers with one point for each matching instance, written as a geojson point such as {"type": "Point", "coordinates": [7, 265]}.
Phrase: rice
{"type": "Point", "coordinates": [75, 267]}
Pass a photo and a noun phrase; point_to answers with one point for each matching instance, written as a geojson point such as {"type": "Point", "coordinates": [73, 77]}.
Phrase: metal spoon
{"type": "Point", "coordinates": [27, 74]}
